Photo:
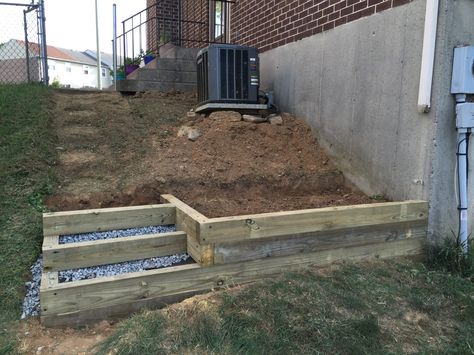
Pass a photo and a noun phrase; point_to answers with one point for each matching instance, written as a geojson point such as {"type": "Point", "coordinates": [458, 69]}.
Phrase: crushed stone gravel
{"type": "Point", "coordinates": [31, 302]}
{"type": "Point", "coordinates": [121, 268]}
{"type": "Point", "coordinates": [119, 233]}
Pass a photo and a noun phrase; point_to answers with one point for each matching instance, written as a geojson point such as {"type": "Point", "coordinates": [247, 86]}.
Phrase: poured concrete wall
{"type": "Point", "coordinates": [456, 27]}
{"type": "Point", "coordinates": [357, 86]}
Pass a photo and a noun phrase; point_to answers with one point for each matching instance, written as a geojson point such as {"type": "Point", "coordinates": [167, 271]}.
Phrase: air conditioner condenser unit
{"type": "Point", "coordinates": [228, 74]}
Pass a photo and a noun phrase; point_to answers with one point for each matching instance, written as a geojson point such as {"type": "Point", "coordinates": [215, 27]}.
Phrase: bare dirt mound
{"type": "Point", "coordinates": [126, 151]}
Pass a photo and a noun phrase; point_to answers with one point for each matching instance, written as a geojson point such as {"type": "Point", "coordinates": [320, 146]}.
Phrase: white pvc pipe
{"type": "Point", "coordinates": [427, 60]}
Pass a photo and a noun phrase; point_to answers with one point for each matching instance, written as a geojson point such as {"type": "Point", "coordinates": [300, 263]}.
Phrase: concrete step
{"type": "Point", "coordinates": [172, 51]}
{"type": "Point", "coordinates": [167, 76]}
{"type": "Point", "coordinates": [171, 64]}
{"type": "Point", "coordinates": [142, 85]}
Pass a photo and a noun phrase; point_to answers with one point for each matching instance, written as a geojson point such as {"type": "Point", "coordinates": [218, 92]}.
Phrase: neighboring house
{"type": "Point", "coordinates": [68, 68]}
{"type": "Point", "coordinates": [351, 68]}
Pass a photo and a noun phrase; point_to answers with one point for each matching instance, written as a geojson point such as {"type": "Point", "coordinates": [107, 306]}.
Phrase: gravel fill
{"type": "Point", "coordinates": [121, 268]}
{"type": "Point", "coordinates": [119, 233]}
{"type": "Point", "coordinates": [31, 303]}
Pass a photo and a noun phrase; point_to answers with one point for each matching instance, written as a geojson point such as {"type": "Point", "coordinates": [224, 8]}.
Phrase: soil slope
{"type": "Point", "coordinates": [118, 151]}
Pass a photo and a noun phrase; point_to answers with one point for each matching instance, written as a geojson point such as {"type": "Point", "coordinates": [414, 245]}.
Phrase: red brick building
{"type": "Point", "coordinates": [264, 24]}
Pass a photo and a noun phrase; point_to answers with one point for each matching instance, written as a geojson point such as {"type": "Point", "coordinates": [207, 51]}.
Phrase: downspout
{"type": "Point", "coordinates": [427, 60]}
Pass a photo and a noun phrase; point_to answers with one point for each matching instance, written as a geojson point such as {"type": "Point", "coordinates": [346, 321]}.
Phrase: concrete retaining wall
{"type": "Point", "coordinates": [357, 86]}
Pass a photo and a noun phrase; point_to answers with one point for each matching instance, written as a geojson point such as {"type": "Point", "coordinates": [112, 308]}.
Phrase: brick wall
{"type": "Point", "coordinates": [267, 24]}
{"type": "Point", "coordinates": [195, 28]}
{"type": "Point", "coordinates": [159, 28]}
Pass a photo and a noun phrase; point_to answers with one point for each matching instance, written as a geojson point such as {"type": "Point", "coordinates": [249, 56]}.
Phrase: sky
{"type": "Point", "coordinates": [71, 23]}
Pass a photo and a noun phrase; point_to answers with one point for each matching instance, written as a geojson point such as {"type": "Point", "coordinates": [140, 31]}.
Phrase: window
{"type": "Point", "coordinates": [219, 21]}
{"type": "Point", "coordinates": [103, 72]}
{"type": "Point", "coordinates": [86, 70]}
{"type": "Point", "coordinates": [51, 65]}
{"type": "Point", "coordinates": [68, 68]}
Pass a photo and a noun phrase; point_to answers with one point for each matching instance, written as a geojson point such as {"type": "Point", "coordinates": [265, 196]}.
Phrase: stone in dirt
{"type": "Point", "coordinates": [193, 133]}
{"type": "Point", "coordinates": [276, 120]}
{"type": "Point", "coordinates": [231, 116]}
{"type": "Point", "coordinates": [254, 119]}
{"type": "Point", "coordinates": [191, 114]}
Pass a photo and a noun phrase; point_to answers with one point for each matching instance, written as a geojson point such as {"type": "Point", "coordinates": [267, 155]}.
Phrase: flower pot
{"type": "Point", "coordinates": [148, 58]}
{"type": "Point", "coordinates": [120, 76]}
{"type": "Point", "coordinates": [130, 68]}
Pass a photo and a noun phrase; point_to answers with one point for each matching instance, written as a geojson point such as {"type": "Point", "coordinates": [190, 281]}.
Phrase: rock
{"type": "Point", "coordinates": [276, 120]}
{"type": "Point", "coordinates": [231, 116]}
{"type": "Point", "coordinates": [191, 114]}
{"type": "Point", "coordinates": [183, 131]}
{"type": "Point", "coordinates": [193, 133]}
{"type": "Point", "coordinates": [254, 119]}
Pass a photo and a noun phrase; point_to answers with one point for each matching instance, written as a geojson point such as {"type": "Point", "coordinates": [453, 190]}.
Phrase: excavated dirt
{"type": "Point", "coordinates": [119, 151]}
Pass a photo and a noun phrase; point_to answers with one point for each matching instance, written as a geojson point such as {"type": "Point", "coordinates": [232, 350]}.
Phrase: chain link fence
{"type": "Point", "coordinates": [21, 49]}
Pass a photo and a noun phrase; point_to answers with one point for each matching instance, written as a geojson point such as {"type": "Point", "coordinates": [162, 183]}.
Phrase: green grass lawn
{"type": "Point", "coordinates": [27, 154]}
{"type": "Point", "coordinates": [383, 307]}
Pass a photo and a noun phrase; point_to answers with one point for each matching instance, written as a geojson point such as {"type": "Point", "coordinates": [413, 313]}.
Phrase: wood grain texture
{"type": "Point", "coordinates": [110, 251]}
{"type": "Point", "coordinates": [73, 222]}
{"type": "Point", "coordinates": [316, 241]}
{"type": "Point", "coordinates": [231, 229]}
{"type": "Point", "coordinates": [187, 219]}
{"type": "Point", "coordinates": [87, 295]}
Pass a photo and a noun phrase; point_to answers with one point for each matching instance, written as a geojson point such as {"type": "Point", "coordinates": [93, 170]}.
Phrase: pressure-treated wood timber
{"type": "Point", "coordinates": [76, 299]}
{"type": "Point", "coordinates": [189, 220]}
{"type": "Point", "coordinates": [102, 252]}
{"type": "Point", "coordinates": [245, 250]}
{"type": "Point", "coordinates": [230, 229]}
{"type": "Point", "coordinates": [73, 222]}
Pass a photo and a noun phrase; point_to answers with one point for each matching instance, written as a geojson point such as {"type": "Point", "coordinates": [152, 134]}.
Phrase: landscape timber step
{"type": "Point", "coordinates": [227, 251]}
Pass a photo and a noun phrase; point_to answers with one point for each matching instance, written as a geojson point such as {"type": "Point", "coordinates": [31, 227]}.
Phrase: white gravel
{"type": "Point", "coordinates": [119, 233]}
{"type": "Point", "coordinates": [31, 303]}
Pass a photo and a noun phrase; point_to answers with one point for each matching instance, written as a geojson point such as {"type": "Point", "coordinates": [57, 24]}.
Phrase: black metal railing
{"type": "Point", "coordinates": [186, 23]}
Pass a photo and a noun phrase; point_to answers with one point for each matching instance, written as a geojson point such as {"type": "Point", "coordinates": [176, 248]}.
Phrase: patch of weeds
{"type": "Point", "coordinates": [37, 197]}
{"type": "Point", "coordinates": [449, 255]}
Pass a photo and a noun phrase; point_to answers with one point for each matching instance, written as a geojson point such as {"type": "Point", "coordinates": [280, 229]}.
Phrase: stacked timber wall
{"type": "Point", "coordinates": [227, 251]}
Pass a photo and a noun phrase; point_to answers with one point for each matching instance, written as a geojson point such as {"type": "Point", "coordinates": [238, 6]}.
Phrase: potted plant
{"type": "Point", "coordinates": [148, 56]}
{"type": "Point", "coordinates": [120, 73]}
{"type": "Point", "coordinates": [132, 64]}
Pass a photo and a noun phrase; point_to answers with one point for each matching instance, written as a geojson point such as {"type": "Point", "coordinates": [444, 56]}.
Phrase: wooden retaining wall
{"type": "Point", "coordinates": [227, 251]}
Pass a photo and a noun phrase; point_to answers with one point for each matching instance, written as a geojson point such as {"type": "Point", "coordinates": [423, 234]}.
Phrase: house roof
{"type": "Point", "coordinates": [69, 55]}
{"type": "Point", "coordinates": [105, 58]}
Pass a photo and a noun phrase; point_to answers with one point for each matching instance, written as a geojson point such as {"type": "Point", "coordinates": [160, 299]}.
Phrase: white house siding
{"type": "Point", "coordinates": [76, 75]}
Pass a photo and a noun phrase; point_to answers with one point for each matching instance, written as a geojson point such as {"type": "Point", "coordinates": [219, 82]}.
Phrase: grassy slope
{"type": "Point", "coordinates": [383, 307]}
{"type": "Point", "coordinates": [26, 155]}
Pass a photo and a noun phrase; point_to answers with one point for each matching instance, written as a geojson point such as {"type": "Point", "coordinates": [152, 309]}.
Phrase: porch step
{"type": "Point", "coordinates": [176, 71]}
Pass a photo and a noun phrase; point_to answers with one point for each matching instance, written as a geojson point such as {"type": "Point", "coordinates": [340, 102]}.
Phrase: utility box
{"type": "Point", "coordinates": [463, 71]}
{"type": "Point", "coordinates": [228, 74]}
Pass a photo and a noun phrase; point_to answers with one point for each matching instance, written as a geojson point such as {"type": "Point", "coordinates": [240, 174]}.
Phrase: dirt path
{"type": "Point", "coordinates": [117, 151]}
